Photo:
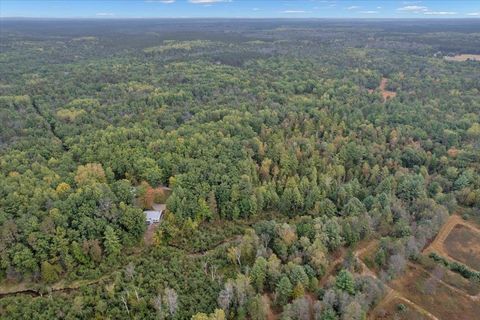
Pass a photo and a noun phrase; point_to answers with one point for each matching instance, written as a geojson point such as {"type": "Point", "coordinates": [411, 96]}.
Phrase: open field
{"type": "Point", "coordinates": [440, 300]}
{"type": "Point", "coordinates": [430, 291]}
{"type": "Point", "coordinates": [458, 240]}
{"type": "Point", "coordinates": [396, 308]}
{"type": "Point", "coordinates": [464, 57]}
{"type": "Point", "coordinates": [463, 245]}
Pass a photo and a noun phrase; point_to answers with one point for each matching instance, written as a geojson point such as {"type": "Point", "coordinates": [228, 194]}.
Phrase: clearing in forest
{"type": "Point", "coordinates": [394, 307]}
{"type": "Point", "coordinates": [458, 240]}
{"type": "Point", "coordinates": [464, 57]}
{"type": "Point", "coordinates": [463, 245]}
{"type": "Point", "coordinates": [430, 294]}
{"type": "Point", "coordinates": [386, 94]}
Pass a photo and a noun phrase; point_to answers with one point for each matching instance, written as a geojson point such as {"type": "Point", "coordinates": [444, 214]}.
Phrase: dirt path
{"type": "Point", "coordinates": [148, 236]}
{"type": "Point", "coordinates": [394, 294]}
{"type": "Point", "coordinates": [270, 314]}
{"type": "Point", "coordinates": [56, 287]}
{"type": "Point", "coordinates": [386, 94]}
{"type": "Point", "coordinates": [419, 308]}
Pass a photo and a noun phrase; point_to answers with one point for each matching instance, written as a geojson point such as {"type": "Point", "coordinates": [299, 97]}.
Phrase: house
{"type": "Point", "coordinates": [153, 216]}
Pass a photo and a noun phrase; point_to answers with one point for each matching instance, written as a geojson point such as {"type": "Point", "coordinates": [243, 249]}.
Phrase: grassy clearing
{"type": "Point", "coordinates": [463, 245]}
{"type": "Point", "coordinates": [397, 309]}
{"type": "Point", "coordinates": [464, 57]}
{"type": "Point", "coordinates": [437, 298]}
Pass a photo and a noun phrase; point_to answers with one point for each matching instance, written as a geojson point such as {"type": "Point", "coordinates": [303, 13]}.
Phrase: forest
{"type": "Point", "coordinates": [309, 164]}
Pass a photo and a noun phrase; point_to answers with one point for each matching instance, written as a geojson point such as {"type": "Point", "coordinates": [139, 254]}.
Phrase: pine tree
{"type": "Point", "coordinates": [283, 291]}
{"type": "Point", "coordinates": [344, 281]}
{"type": "Point", "coordinates": [111, 242]}
{"type": "Point", "coordinates": [259, 273]}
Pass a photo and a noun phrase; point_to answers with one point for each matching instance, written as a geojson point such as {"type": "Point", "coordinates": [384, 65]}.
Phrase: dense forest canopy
{"type": "Point", "coordinates": [284, 144]}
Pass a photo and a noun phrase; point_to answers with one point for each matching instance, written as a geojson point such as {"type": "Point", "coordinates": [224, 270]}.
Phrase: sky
{"type": "Point", "coordinates": [110, 9]}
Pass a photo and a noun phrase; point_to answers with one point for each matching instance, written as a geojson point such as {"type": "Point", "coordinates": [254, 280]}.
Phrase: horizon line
{"type": "Point", "coordinates": [237, 18]}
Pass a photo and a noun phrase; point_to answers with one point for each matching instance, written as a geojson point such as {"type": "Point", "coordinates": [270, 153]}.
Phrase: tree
{"type": "Point", "coordinates": [90, 173]}
{"type": "Point", "coordinates": [353, 312]}
{"type": "Point", "coordinates": [111, 242]}
{"type": "Point", "coordinates": [203, 211]}
{"type": "Point", "coordinates": [328, 314]}
{"type": "Point", "coordinates": [50, 273]}
{"type": "Point", "coordinates": [354, 207]}
{"type": "Point", "coordinates": [298, 291]}
{"type": "Point", "coordinates": [259, 273]}
{"type": "Point", "coordinates": [283, 291]}
{"type": "Point", "coordinates": [344, 281]}
{"type": "Point", "coordinates": [411, 187]}
{"type": "Point", "coordinates": [299, 309]}
{"type": "Point", "coordinates": [258, 308]}
{"type": "Point", "coordinates": [291, 200]}
{"type": "Point", "coordinates": [396, 265]}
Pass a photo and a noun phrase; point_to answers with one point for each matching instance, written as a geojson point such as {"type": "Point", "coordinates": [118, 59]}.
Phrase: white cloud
{"type": "Point", "coordinates": [353, 7]}
{"type": "Point", "coordinates": [207, 1]}
{"type": "Point", "coordinates": [379, 7]}
{"type": "Point", "coordinates": [414, 9]}
{"type": "Point", "coordinates": [440, 13]}
{"type": "Point", "coordinates": [105, 14]}
{"type": "Point", "coordinates": [369, 12]}
{"type": "Point", "coordinates": [256, 9]}
{"type": "Point", "coordinates": [161, 1]}
{"type": "Point", "coordinates": [475, 14]}
{"type": "Point", "coordinates": [294, 11]}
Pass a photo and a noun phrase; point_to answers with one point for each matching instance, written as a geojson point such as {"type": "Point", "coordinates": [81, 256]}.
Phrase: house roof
{"type": "Point", "coordinates": [153, 214]}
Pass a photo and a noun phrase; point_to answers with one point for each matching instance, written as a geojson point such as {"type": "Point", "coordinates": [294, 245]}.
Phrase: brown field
{"type": "Point", "coordinates": [430, 291]}
{"type": "Point", "coordinates": [450, 279]}
{"type": "Point", "coordinates": [386, 95]}
{"type": "Point", "coordinates": [440, 300]}
{"type": "Point", "coordinates": [390, 310]}
{"type": "Point", "coordinates": [463, 245]}
{"type": "Point", "coordinates": [464, 57]}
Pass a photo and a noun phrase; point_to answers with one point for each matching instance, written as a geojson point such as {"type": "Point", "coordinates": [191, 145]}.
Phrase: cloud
{"type": "Point", "coordinates": [105, 14]}
{"type": "Point", "coordinates": [256, 9]}
{"type": "Point", "coordinates": [475, 14]}
{"type": "Point", "coordinates": [294, 11]}
{"type": "Point", "coordinates": [353, 7]}
{"type": "Point", "coordinates": [161, 1]}
{"type": "Point", "coordinates": [414, 9]}
{"type": "Point", "coordinates": [207, 1]}
{"type": "Point", "coordinates": [440, 13]}
{"type": "Point", "coordinates": [369, 12]}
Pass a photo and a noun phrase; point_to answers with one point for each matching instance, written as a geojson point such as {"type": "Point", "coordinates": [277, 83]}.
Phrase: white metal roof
{"type": "Point", "coordinates": [153, 215]}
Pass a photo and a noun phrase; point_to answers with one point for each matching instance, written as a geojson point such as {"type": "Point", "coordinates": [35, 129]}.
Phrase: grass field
{"type": "Point", "coordinates": [440, 300]}
{"type": "Point", "coordinates": [397, 309]}
{"type": "Point", "coordinates": [463, 245]}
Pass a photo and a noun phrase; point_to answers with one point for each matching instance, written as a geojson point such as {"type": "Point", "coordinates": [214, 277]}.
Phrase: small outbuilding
{"type": "Point", "coordinates": [153, 216]}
